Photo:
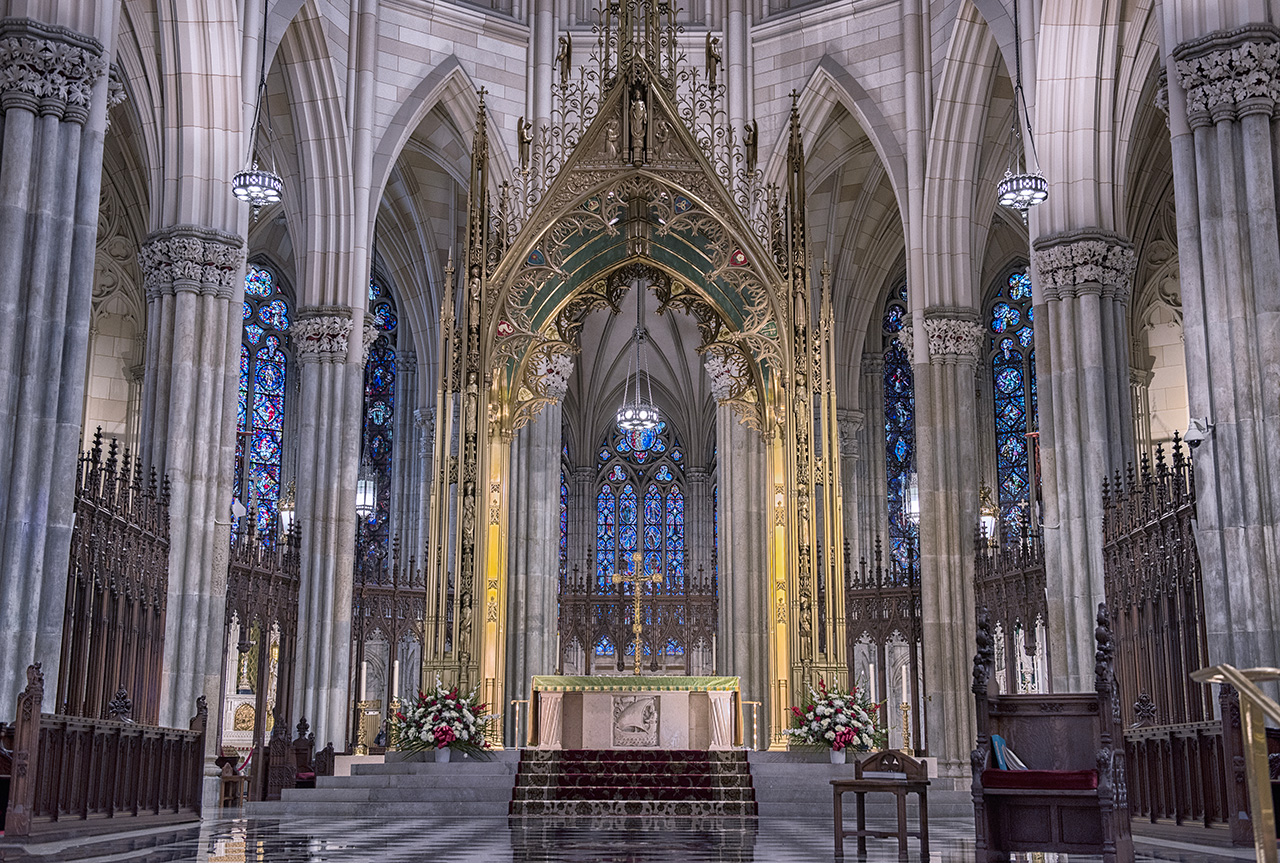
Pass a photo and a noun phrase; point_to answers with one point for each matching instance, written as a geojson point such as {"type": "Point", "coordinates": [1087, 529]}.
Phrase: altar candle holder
{"type": "Point", "coordinates": [905, 708]}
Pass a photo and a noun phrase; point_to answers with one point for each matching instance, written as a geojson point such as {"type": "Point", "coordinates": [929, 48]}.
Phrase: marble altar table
{"type": "Point", "coordinates": [635, 712]}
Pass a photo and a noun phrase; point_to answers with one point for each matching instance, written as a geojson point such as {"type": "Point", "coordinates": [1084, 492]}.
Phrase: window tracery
{"type": "Point", "coordinates": [1011, 345]}
{"type": "Point", "coordinates": [264, 362]}
{"type": "Point", "coordinates": [899, 431]}
{"type": "Point", "coordinates": [379, 406]}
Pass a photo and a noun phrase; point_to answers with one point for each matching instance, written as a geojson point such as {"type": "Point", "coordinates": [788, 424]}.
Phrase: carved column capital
{"type": "Point", "coordinates": [424, 421]}
{"type": "Point", "coordinates": [873, 363]}
{"type": "Point", "coordinates": [406, 362]}
{"type": "Point", "coordinates": [849, 423]}
{"type": "Point", "coordinates": [1072, 263]}
{"type": "Point", "coordinates": [191, 258]}
{"type": "Point", "coordinates": [322, 334]}
{"type": "Point", "coordinates": [549, 375]}
{"type": "Point", "coordinates": [48, 70]}
{"type": "Point", "coordinates": [1230, 71]}
{"type": "Point", "coordinates": [954, 335]}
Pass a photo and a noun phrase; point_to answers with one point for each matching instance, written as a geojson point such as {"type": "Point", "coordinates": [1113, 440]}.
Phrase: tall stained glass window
{"type": "Point", "coordinates": [899, 432]}
{"type": "Point", "coordinates": [379, 405]}
{"type": "Point", "coordinates": [640, 505]}
{"type": "Point", "coordinates": [1011, 333]}
{"type": "Point", "coordinates": [264, 366]}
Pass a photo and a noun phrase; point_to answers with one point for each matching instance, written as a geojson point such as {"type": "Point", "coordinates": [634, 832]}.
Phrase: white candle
{"type": "Point", "coordinates": [364, 679]}
{"type": "Point", "coordinates": [871, 680]}
{"type": "Point", "coordinates": [395, 680]}
{"type": "Point", "coordinates": [904, 686]}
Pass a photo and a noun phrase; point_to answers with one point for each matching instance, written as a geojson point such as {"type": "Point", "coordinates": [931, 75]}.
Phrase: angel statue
{"type": "Point", "coordinates": [713, 58]}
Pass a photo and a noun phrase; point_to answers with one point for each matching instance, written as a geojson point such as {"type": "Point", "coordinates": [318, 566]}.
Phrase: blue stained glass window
{"type": "Point", "coordinates": [260, 405]}
{"type": "Point", "coordinates": [564, 524]}
{"type": "Point", "coordinates": [640, 498]}
{"type": "Point", "coordinates": [1013, 378]}
{"type": "Point", "coordinates": [379, 408]}
{"type": "Point", "coordinates": [899, 432]}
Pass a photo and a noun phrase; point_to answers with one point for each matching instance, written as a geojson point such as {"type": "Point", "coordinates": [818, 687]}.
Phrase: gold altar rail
{"type": "Point", "coordinates": [1254, 706]}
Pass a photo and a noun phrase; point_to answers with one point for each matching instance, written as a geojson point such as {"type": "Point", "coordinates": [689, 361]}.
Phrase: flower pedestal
{"type": "Point", "coordinates": [442, 755]}
{"type": "Point", "coordinates": [837, 756]}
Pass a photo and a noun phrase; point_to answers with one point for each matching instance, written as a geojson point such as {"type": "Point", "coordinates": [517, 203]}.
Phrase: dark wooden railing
{"type": "Point", "coordinates": [117, 583]}
{"type": "Point", "coordinates": [77, 775]}
{"type": "Point", "coordinates": [262, 596]}
{"type": "Point", "coordinates": [1182, 766]}
{"type": "Point", "coordinates": [882, 602]}
{"type": "Point", "coordinates": [1009, 582]}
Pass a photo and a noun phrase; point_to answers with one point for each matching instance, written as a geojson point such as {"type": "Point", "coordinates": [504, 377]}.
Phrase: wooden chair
{"type": "Point", "coordinates": [1072, 799]}
{"type": "Point", "coordinates": [890, 772]}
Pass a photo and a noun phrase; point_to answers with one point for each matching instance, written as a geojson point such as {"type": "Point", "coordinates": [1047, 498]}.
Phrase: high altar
{"type": "Point", "coordinates": [635, 712]}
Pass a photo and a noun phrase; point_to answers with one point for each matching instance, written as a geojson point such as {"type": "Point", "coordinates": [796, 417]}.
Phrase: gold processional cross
{"type": "Point", "coordinates": [637, 580]}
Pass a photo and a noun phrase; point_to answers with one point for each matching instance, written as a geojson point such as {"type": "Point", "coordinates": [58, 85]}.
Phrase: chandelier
{"type": "Point", "coordinates": [638, 413]}
{"type": "Point", "coordinates": [253, 185]}
{"type": "Point", "coordinates": [1022, 190]}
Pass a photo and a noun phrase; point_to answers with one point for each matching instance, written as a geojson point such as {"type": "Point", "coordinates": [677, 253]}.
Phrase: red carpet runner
{"type": "Point", "coordinates": [590, 782]}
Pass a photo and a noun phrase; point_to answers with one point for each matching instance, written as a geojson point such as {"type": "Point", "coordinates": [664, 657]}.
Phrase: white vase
{"type": "Point", "coordinates": [837, 756]}
{"type": "Point", "coordinates": [442, 755]}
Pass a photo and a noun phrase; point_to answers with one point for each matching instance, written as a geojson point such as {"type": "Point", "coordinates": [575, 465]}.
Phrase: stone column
{"type": "Point", "coordinates": [1222, 95]}
{"type": "Point", "coordinates": [53, 94]}
{"type": "Point", "coordinates": [424, 426]}
{"type": "Point", "coordinates": [873, 500]}
{"type": "Point", "coordinates": [582, 518]}
{"type": "Point", "coordinates": [947, 470]}
{"type": "Point", "coordinates": [332, 383]}
{"type": "Point", "coordinates": [699, 522]}
{"type": "Point", "coordinates": [194, 279]}
{"type": "Point", "coordinates": [534, 540]}
{"type": "Point", "coordinates": [404, 514]}
{"type": "Point", "coordinates": [1082, 283]}
{"type": "Point", "coordinates": [745, 525]}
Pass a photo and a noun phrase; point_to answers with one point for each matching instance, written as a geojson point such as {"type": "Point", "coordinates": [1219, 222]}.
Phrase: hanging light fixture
{"type": "Point", "coordinates": [287, 509]}
{"type": "Point", "coordinates": [256, 186]}
{"type": "Point", "coordinates": [639, 413]}
{"type": "Point", "coordinates": [1022, 190]}
{"type": "Point", "coordinates": [366, 489]}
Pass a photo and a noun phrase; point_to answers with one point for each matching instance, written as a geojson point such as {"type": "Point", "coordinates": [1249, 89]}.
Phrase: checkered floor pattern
{"type": "Point", "coordinates": [518, 840]}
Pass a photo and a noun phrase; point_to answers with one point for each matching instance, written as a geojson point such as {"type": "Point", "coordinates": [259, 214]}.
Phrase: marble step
{"type": "Point", "coordinates": [393, 794]}
{"type": "Point", "coordinates": [632, 793]}
{"type": "Point", "coordinates": [633, 768]}
{"type": "Point", "coordinates": [624, 808]}
{"type": "Point", "coordinates": [625, 780]}
{"type": "Point", "coordinates": [380, 809]}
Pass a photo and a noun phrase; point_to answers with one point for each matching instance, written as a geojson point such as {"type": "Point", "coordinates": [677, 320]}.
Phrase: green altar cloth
{"type": "Point", "coordinates": [632, 683]}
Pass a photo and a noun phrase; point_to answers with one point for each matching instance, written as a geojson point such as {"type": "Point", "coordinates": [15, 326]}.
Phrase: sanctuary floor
{"type": "Point", "coordinates": [479, 840]}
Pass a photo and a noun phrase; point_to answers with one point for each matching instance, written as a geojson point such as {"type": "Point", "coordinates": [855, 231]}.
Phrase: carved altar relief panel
{"type": "Point", "coordinates": [635, 720]}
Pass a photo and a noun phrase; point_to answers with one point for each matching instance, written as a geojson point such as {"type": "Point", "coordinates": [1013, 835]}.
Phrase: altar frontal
{"type": "Point", "coordinates": [635, 712]}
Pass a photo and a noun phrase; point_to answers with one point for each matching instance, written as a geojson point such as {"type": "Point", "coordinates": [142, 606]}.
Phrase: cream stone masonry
{"type": "Point", "coordinates": [49, 68]}
{"type": "Point", "coordinates": [1080, 261]}
{"type": "Point", "coordinates": [322, 334]}
{"type": "Point", "coordinates": [1223, 71]}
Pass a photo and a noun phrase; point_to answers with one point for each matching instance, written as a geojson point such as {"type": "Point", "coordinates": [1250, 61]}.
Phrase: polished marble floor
{"type": "Point", "coordinates": [311, 840]}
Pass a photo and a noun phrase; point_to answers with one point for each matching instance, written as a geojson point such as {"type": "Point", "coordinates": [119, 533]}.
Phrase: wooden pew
{"type": "Point", "coordinates": [1072, 799]}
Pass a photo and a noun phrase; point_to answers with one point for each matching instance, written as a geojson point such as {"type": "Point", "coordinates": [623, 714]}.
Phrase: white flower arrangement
{"type": "Point", "coordinates": [443, 718]}
{"type": "Point", "coordinates": [835, 720]}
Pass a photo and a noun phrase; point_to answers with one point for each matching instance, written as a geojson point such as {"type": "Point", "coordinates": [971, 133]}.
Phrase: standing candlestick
{"type": "Point", "coordinates": [905, 707]}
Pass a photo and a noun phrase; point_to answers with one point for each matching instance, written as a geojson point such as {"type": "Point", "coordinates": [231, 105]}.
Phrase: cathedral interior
{"type": "Point", "coordinates": [725, 356]}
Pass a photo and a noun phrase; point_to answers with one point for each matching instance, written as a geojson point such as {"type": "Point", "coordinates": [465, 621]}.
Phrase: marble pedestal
{"type": "Point", "coordinates": [636, 713]}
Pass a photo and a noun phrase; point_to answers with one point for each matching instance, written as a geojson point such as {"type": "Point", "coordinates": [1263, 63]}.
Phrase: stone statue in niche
{"type": "Point", "coordinates": [639, 124]}
{"type": "Point", "coordinates": [635, 720]}
{"type": "Point", "coordinates": [713, 59]}
{"type": "Point", "coordinates": [612, 133]}
{"type": "Point", "coordinates": [564, 58]}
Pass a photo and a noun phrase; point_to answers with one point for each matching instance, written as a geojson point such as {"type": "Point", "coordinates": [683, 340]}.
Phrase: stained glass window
{"type": "Point", "coordinates": [1011, 334]}
{"type": "Point", "coordinates": [640, 505]}
{"type": "Point", "coordinates": [260, 408]}
{"type": "Point", "coordinates": [899, 432]}
{"type": "Point", "coordinates": [379, 406]}
{"type": "Point", "coordinates": [564, 525]}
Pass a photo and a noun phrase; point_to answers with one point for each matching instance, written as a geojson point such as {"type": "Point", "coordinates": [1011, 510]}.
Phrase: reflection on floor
{"type": "Point", "coordinates": [616, 840]}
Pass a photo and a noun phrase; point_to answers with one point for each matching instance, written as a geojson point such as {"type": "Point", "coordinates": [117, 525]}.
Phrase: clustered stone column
{"type": "Point", "coordinates": [1223, 91]}
{"type": "Point", "coordinates": [404, 465]}
{"type": "Point", "coordinates": [946, 464]}
{"type": "Point", "coordinates": [53, 104]}
{"type": "Point", "coordinates": [1083, 281]}
{"type": "Point", "coordinates": [193, 279]}
{"type": "Point", "coordinates": [533, 584]}
{"type": "Point", "coordinates": [332, 384]}
{"type": "Point", "coordinates": [742, 640]}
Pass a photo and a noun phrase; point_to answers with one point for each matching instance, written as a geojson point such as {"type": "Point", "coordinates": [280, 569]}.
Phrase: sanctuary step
{"type": "Point", "coordinates": [797, 784]}
{"type": "Point", "coordinates": [628, 782]}
{"type": "Point", "coordinates": [405, 788]}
